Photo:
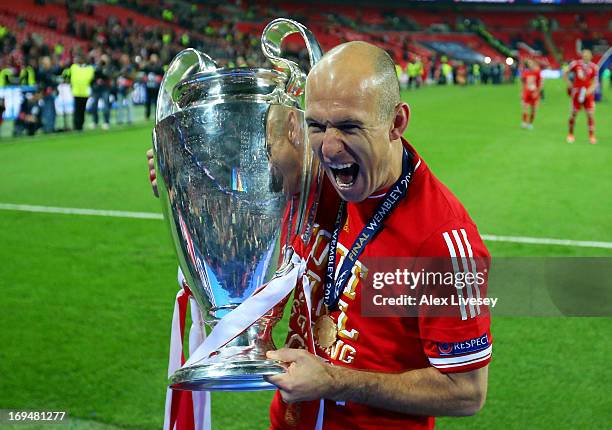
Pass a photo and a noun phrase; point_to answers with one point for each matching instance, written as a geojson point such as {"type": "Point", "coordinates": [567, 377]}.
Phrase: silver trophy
{"type": "Point", "coordinates": [238, 183]}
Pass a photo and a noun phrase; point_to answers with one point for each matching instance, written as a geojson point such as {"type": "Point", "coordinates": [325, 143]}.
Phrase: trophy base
{"type": "Point", "coordinates": [247, 375]}
{"type": "Point", "coordinates": [240, 365]}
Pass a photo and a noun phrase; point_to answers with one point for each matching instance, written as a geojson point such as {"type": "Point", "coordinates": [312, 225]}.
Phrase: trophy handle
{"type": "Point", "coordinates": [187, 62]}
{"type": "Point", "coordinates": [271, 41]}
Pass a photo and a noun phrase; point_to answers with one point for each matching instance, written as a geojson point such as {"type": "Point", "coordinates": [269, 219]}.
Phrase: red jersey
{"type": "Point", "coordinates": [532, 80]}
{"type": "Point", "coordinates": [428, 222]}
{"type": "Point", "coordinates": [584, 73]}
{"type": "Point", "coordinates": [303, 415]}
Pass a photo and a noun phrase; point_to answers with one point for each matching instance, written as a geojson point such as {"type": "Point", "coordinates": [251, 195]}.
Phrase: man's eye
{"type": "Point", "coordinates": [349, 129]}
{"type": "Point", "coordinates": [315, 128]}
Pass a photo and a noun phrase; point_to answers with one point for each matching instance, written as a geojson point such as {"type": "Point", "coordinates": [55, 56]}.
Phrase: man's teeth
{"type": "Point", "coordinates": [340, 166]}
{"type": "Point", "coordinates": [343, 185]}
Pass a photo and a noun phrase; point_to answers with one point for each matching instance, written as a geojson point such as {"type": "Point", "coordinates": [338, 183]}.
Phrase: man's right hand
{"type": "Point", "coordinates": [152, 176]}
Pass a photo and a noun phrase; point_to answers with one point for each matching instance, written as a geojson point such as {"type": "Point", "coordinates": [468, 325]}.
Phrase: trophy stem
{"type": "Point", "coordinates": [240, 365]}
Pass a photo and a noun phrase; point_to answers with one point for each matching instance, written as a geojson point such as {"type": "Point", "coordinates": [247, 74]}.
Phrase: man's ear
{"type": "Point", "coordinates": [292, 128]}
{"type": "Point", "coordinates": [400, 121]}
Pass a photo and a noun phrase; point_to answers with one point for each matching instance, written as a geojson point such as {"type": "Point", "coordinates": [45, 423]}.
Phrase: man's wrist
{"type": "Point", "coordinates": [337, 387]}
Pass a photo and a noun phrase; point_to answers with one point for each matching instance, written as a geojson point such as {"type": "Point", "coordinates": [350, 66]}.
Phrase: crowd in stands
{"type": "Point", "coordinates": [118, 58]}
{"type": "Point", "coordinates": [117, 55]}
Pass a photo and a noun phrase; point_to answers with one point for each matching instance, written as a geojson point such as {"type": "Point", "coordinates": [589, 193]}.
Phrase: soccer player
{"type": "Point", "coordinates": [582, 92]}
{"type": "Point", "coordinates": [532, 85]}
{"type": "Point", "coordinates": [388, 371]}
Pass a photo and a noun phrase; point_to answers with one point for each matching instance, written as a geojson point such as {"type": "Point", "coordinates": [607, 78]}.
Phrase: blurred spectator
{"type": "Point", "coordinates": [126, 76]}
{"type": "Point", "coordinates": [475, 73]}
{"type": "Point", "coordinates": [6, 74]}
{"type": "Point", "coordinates": [81, 75]}
{"type": "Point", "coordinates": [2, 109]}
{"type": "Point", "coordinates": [27, 75]}
{"type": "Point", "coordinates": [29, 118]}
{"type": "Point", "coordinates": [153, 74]}
{"type": "Point", "coordinates": [415, 73]}
{"type": "Point", "coordinates": [100, 91]}
{"type": "Point", "coordinates": [496, 73]}
{"type": "Point", "coordinates": [447, 72]}
{"type": "Point", "coordinates": [461, 74]}
{"type": "Point", "coordinates": [48, 76]}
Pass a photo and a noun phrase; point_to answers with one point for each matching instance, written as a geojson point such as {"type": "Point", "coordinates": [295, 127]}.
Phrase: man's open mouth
{"type": "Point", "coordinates": [345, 174]}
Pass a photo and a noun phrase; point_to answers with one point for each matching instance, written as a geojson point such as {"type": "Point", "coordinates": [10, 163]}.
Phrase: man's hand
{"type": "Point", "coordinates": [591, 89]}
{"type": "Point", "coordinates": [152, 176]}
{"type": "Point", "coordinates": [307, 376]}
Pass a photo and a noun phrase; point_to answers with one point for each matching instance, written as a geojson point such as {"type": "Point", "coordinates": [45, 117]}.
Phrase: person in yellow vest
{"type": "Point", "coordinates": [447, 71]}
{"type": "Point", "coordinates": [6, 74]}
{"type": "Point", "coordinates": [419, 71]}
{"type": "Point", "coordinates": [27, 75]}
{"type": "Point", "coordinates": [398, 71]}
{"type": "Point", "coordinates": [402, 77]}
{"type": "Point", "coordinates": [415, 72]}
{"type": "Point", "coordinates": [81, 75]}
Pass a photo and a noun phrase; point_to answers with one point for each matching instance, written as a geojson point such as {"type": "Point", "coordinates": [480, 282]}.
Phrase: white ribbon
{"type": "Point", "coordinates": [249, 311]}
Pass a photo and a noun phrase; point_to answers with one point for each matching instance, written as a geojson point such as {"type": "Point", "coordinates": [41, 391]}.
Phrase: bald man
{"type": "Point", "coordinates": [351, 371]}
{"type": "Point", "coordinates": [582, 91]}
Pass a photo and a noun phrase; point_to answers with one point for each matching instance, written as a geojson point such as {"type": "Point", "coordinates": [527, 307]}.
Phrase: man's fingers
{"type": "Point", "coordinates": [150, 159]}
{"type": "Point", "coordinates": [277, 380]}
{"type": "Point", "coordinates": [283, 383]}
{"type": "Point", "coordinates": [286, 354]}
{"type": "Point", "coordinates": [152, 174]}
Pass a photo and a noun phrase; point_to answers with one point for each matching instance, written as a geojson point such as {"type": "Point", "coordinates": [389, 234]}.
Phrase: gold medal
{"type": "Point", "coordinates": [292, 414]}
{"type": "Point", "coordinates": [325, 331]}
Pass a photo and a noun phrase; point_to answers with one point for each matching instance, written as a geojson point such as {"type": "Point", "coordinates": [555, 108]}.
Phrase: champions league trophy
{"type": "Point", "coordinates": [233, 187]}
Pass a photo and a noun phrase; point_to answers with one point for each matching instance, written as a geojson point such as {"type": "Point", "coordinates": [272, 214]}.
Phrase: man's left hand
{"type": "Point", "coordinates": [307, 376]}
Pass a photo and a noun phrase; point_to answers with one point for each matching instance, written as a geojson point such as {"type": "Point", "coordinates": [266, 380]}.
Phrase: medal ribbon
{"type": "Point", "coordinates": [333, 287]}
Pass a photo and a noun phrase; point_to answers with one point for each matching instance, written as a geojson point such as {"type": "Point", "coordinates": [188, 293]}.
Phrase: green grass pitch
{"type": "Point", "coordinates": [86, 301]}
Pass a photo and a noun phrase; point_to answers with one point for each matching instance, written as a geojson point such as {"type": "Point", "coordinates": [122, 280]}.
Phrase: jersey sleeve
{"type": "Point", "coordinates": [455, 332]}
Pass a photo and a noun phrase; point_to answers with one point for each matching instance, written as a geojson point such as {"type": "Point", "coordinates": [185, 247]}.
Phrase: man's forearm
{"type": "Point", "coordinates": [417, 392]}
{"type": "Point", "coordinates": [592, 88]}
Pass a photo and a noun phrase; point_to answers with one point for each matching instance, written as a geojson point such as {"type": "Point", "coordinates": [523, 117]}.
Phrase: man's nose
{"type": "Point", "coordinates": [332, 143]}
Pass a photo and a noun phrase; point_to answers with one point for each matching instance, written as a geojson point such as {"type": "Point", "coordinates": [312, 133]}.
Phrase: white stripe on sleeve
{"type": "Point", "coordinates": [453, 255]}
{"type": "Point", "coordinates": [475, 285]}
{"type": "Point", "coordinates": [465, 270]}
{"type": "Point", "coordinates": [446, 366]}
{"type": "Point", "coordinates": [461, 360]}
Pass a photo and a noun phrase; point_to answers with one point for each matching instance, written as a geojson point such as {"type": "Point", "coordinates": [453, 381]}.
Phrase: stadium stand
{"type": "Point", "coordinates": [482, 38]}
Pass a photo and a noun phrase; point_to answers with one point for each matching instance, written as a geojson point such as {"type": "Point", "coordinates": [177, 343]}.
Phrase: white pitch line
{"type": "Point", "coordinates": [152, 215]}
{"type": "Point", "coordinates": [547, 241]}
{"type": "Point", "coordinates": [78, 211]}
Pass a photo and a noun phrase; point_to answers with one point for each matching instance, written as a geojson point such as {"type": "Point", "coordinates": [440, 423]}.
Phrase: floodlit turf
{"type": "Point", "coordinates": [86, 302]}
